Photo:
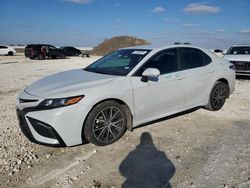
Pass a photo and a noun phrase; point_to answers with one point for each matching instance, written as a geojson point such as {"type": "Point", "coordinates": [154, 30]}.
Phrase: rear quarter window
{"type": "Point", "coordinates": [206, 59]}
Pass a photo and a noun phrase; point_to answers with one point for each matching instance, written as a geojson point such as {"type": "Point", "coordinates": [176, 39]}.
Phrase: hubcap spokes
{"type": "Point", "coordinates": [219, 97]}
{"type": "Point", "coordinates": [108, 124]}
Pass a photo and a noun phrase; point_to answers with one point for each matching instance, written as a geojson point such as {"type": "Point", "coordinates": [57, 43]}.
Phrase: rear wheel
{"type": "Point", "coordinates": [218, 95]}
{"type": "Point", "coordinates": [10, 53]}
{"type": "Point", "coordinates": [105, 124]}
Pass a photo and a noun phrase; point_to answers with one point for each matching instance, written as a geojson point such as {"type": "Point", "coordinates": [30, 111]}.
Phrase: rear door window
{"type": "Point", "coordinates": [191, 58]}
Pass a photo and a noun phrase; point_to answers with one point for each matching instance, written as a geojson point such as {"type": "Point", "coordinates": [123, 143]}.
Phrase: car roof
{"type": "Point", "coordinates": [158, 48]}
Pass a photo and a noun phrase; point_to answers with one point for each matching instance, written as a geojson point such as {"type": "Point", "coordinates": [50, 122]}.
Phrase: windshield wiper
{"type": "Point", "coordinates": [103, 71]}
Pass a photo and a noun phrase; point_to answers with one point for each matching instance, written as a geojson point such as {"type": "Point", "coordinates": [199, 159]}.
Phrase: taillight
{"type": "Point", "coordinates": [232, 67]}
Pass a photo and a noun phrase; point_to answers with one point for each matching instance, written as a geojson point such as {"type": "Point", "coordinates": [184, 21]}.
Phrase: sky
{"type": "Point", "coordinates": [86, 23]}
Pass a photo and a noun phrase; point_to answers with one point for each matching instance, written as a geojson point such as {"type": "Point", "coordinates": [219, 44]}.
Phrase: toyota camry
{"type": "Point", "coordinates": [124, 89]}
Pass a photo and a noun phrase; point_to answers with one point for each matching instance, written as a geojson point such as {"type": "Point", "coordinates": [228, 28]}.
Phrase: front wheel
{"type": "Point", "coordinates": [218, 95]}
{"type": "Point", "coordinates": [40, 57]}
{"type": "Point", "coordinates": [62, 56]}
{"type": "Point", "coordinates": [106, 123]}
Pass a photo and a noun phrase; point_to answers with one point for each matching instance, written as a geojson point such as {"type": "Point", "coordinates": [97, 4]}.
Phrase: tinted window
{"type": "Point", "coordinates": [190, 58]}
{"type": "Point", "coordinates": [206, 59]}
{"type": "Point", "coordinates": [243, 50]}
{"type": "Point", "coordinates": [3, 47]}
{"type": "Point", "coordinates": [165, 61]}
{"type": "Point", "coordinates": [52, 47]}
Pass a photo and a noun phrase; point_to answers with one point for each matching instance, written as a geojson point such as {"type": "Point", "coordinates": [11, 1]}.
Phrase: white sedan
{"type": "Point", "coordinates": [7, 50]}
{"type": "Point", "coordinates": [120, 91]}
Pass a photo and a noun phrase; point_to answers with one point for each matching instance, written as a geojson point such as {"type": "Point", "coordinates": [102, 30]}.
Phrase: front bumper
{"type": "Point", "coordinates": [54, 127]}
{"type": "Point", "coordinates": [41, 128]}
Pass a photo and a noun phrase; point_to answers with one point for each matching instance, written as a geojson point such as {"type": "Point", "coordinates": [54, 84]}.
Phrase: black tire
{"type": "Point", "coordinates": [40, 56]}
{"type": "Point", "coordinates": [106, 123]}
{"type": "Point", "coordinates": [10, 53]}
{"type": "Point", "coordinates": [62, 56]}
{"type": "Point", "coordinates": [218, 95]}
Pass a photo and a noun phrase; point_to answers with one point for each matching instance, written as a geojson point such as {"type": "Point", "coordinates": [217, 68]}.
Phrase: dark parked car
{"type": "Point", "coordinates": [70, 51]}
{"type": "Point", "coordinates": [42, 51]}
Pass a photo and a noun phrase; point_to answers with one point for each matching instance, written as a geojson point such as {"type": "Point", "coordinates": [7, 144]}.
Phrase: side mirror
{"type": "Point", "coordinates": [151, 72]}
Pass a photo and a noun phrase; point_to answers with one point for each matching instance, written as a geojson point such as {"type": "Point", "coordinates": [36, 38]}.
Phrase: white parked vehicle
{"type": "Point", "coordinates": [7, 50]}
{"type": "Point", "coordinates": [124, 89]}
{"type": "Point", "coordinates": [239, 55]}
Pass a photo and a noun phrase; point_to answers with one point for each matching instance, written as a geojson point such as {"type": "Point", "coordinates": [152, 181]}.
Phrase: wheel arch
{"type": "Point", "coordinates": [225, 81]}
{"type": "Point", "coordinates": [124, 104]}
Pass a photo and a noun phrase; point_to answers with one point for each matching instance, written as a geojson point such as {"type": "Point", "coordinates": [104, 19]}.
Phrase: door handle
{"type": "Point", "coordinates": [211, 70]}
{"type": "Point", "coordinates": [179, 77]}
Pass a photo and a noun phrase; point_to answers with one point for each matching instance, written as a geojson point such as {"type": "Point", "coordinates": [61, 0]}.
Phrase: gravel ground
{"type": "Point", "coordinates": [197, 149]}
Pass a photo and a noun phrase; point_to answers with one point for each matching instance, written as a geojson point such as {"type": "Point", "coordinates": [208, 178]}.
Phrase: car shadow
{"type": "Point", "coordinates": [146, 166]}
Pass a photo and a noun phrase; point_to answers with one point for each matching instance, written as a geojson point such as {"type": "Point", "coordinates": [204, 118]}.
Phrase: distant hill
{"type": "Point", "coordinates": [115, 43]}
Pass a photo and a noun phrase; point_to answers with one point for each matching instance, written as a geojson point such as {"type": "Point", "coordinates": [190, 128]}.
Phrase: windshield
{"type": "Point", "coordinates": [239, 50]}
{"type": "Point", "coordinates": [120, 62]}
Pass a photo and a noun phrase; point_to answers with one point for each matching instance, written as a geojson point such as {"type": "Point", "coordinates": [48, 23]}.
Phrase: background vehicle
{"type": "Point", "coordinates": [239, 55]}
{"type": "Point", "coordinates": [42, 51]}
{"type": "Point", "coordinates": [6, 50]}
{"type": "Point", "coordinates": [70, 51]}
{"type": "Point", "coordinates": [124, 89]}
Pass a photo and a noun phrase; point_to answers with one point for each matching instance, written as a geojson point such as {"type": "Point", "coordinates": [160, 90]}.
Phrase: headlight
{"type": "Point", "coordinates": [56, 103]}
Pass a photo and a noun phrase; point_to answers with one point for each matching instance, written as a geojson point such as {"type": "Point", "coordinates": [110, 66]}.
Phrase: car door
{"type": "Point", "coordinates": [194, 69]}
{"type": "Point", "coordinates": [160, 96]}
{"type": "Point", "coordinates": [69, 51]}
{"type": "Point", "coordinates": [53, 51]}
{"type": "Point", "coordinates": [3, 50]}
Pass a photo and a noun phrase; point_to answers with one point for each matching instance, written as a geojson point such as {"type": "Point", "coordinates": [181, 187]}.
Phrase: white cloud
{"type": "Point", "coordinates": [200, 8]}
{"type": "Point", "coordinates": [190, 25]}
{"type": "Point", "coordinates": [245, 31]}
{"type": "Point", "coordinates": [79, 1]}
{"type": "Point", "coordinates": [117, 4]}
{"type": "Point", "coordinates": [202, 32]}
{"type": "Point", "coordinates": [172, 20]}
{"type": "Point", "coordinates": [220, 30]}
{"type": "Point", "coordinates": [158, 9]}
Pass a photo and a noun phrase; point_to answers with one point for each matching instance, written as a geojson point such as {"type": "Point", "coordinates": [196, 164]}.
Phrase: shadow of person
{"type": "Point", "coordinates": [146, 166]}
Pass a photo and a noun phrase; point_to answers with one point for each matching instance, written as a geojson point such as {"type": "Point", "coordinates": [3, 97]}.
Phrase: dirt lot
{"type": "Point", "coordinates": [198, 149]}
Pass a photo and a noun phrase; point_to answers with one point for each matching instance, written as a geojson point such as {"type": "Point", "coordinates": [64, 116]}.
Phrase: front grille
{"type": "Point", "coordinates": [27, 100]}
{"type": "Point", "coordinates": [241, 65]}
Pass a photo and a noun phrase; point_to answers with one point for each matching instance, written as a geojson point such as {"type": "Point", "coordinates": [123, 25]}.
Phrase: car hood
{"type": "Point", "coordinates": [68, 83]}
{"type": "Point", "coordinates": [237, 57]}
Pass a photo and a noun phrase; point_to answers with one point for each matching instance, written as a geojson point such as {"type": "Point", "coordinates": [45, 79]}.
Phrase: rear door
{"type": "Point", "coordinates": [158, 96]}
{"type": "Point", "coordinates": [53, 51]}
{"type": "Point", "coordinates": [194, 67]}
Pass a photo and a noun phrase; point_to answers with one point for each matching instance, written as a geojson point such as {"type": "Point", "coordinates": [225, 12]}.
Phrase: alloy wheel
{"type": "Point", "coordinates": [219, 96]}
{"type": "Point", "coordinates": [108, 124]}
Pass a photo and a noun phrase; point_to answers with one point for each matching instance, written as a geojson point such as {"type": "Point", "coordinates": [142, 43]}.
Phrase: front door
{"type": "Point", "coordinates": [158, 97]}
